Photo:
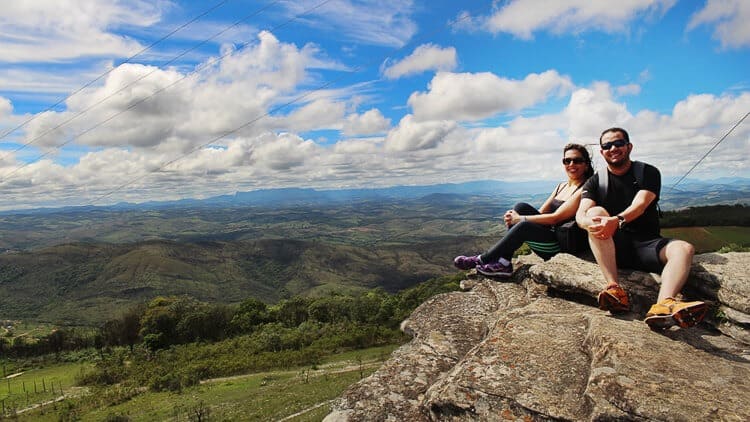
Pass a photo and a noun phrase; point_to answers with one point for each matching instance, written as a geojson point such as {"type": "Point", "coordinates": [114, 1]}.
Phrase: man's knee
{"type": "Point", "coordinates": [677, 249]}
{"type": "Point", "coordinates": [597, 212]}
{"type": "Point", "coordinates": [685, 248]}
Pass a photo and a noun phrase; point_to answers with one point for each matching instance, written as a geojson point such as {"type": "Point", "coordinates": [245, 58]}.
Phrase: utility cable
{"type": "Point", "coordinates": [158, 91]}
{"type": "Point", "coordinates": [710, 150]}
{"type": "Point", "coordinates": [268, 113]}
{"type": "Point", "coordinates": [128, 60]}
{"type": "Point", "coordinates": [140, 78]}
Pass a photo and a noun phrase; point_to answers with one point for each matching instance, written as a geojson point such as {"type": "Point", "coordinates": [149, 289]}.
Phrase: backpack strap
{"type": "Point", "coordinates": [638, 170]}
{"type": "Point", "coordinates": [603, 175]}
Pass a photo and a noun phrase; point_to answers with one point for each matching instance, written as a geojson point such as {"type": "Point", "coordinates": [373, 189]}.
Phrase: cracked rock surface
{"type": "Point", "coordinates": [534, 348]}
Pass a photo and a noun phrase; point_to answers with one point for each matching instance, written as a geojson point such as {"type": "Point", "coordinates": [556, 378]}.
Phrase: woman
{"type": "Point", "coordinates": [526, 224]}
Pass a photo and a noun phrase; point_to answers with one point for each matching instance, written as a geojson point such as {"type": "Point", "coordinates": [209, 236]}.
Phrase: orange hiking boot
{"type": "Point", "coordinates": [670, 311]}
{"type": "Point", "coordinates": [614, 299]}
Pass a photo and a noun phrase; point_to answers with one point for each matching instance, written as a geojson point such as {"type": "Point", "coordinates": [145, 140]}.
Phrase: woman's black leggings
{"type": "Point", "coordinates": [540, 238]}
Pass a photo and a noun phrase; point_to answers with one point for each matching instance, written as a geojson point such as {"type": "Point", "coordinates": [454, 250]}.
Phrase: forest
{"type": "Point", "coordinates": [174, 342]}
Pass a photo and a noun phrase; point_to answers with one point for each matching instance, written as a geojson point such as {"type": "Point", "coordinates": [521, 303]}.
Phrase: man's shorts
{"type": "Point", "coordinates": [638, 253]}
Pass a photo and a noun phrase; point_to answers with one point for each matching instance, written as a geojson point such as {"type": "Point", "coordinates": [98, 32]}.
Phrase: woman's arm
{"type": "Point", "coordinates": [566, 212]}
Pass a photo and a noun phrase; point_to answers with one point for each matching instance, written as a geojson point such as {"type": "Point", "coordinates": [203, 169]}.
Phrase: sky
{"type": "Point", "coordinates": [104, 101]}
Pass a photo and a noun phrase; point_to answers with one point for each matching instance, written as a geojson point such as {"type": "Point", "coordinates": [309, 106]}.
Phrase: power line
{"type": "Point", "coordinates": [268, 113]}
{"type": "Point", "coordinates": [140, 78]}
{"type": "Point", "coordinates": [158, 91]}
{"type": "Point", "coordinates": [88, 84]}
{"type": "Point", "coordinates": [710, 150]}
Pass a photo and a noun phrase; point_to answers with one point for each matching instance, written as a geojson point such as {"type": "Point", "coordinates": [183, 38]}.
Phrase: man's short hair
{"type": "Point", "coordinates": [615, 129]}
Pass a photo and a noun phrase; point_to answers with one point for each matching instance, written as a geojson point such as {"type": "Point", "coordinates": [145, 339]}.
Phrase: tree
{"type": "Point", "coordinates": [159, 321]}
{"type": "Point", "coordinates": [56, 341]}
{"type": "Point", "coordinates": [131, 326]}
{"type": "Point", "coordinates": [251, 313]}
{"type": "Point", "coordinates": [291, 312]}
{"type": "Point", "coordinates": [111, 333]}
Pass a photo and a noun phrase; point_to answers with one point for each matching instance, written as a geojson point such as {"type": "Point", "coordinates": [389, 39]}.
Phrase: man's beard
{"type": "Point", "coordinates": [623, 161]}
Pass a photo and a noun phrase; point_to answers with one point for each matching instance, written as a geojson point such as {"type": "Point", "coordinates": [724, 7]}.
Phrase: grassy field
{"type": "Point", "coordinates": [26, 388]}
{"type": "Point", "coordinates": [30, 329]}
{"type": "Point", "coordinates": [302, 394]}
{"type": "Point", "coordinates": [710, 238]}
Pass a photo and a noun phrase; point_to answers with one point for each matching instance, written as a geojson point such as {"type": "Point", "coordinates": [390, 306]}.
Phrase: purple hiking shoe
{"type": "Point", "coordinates": [466, 262]}
{"type": "Point", "coordinates": [495, 269]}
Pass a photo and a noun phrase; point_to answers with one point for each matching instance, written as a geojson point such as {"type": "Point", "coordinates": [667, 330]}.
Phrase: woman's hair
{"type": "Point", "coordinates": [586, 156]}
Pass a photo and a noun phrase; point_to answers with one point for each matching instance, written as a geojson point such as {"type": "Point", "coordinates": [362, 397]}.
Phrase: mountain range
{"type": "Point", "coordinates": [86, 264]}
{"type": "Point", "coordinates": [689, 192]}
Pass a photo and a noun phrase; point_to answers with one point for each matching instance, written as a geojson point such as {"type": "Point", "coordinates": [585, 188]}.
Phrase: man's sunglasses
{"type": "Point", "coordinates": [568, 161]}
{"type": "Point", "coordinates": [616, 143]}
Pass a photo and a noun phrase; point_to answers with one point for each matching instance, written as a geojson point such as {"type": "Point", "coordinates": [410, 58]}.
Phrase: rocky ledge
{"type": "Point", "coordinates": [535, 347]}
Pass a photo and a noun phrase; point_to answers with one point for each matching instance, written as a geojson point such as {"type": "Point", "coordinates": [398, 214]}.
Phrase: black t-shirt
{"type": "Point", "coordinates": [620, 194]}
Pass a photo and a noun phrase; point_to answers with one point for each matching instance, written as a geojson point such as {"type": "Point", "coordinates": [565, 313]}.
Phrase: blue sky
{"type": "Point", "coordinates": [344, 93]}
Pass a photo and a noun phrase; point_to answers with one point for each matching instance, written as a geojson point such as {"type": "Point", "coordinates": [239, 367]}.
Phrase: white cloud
{"type": "Point", "coordinates": [707, 111]}
{"type": "Point", "coordinates": [474, 96]}
{"type": "Point", "coordinates": [135, 107]}
{"type": "Point", "coordinates": [415, 135]}
{"type": "Point", "coordinates": [367, 123]}
{"type": "Point", "coordinates": [425, 57]}
{"type": "Point", "coordinates": [591, 110]}
{"type": "Point", "coordinates": [319, 114]}
{"type": "Point", "coordinates": [525, 148]}
{"type": "Point", "coordinates": [284, 153]}
{"type": "Point", "coordinates": [48, 30]}
{"type": "Point", "coordinates": [524, 17]}
{"type": "Point", "coordinates": [46, 82]}
{"type": "Point", "coordinates": [386, 22]}
{"type": "Point", "coordinates": [629, 89]}
{"type": "Point", "coordinates": [147, 107]}
{"type": "Point", "coordinates": [357, 146]}
{"type": "Point", "coordinates": [730, 18]}
{"type": "Point", "coordinates": [6, 107]}
{"type": "Point", "coordinates": [223, 105]}
{"type": "Point", "coordinates": [675, 143]}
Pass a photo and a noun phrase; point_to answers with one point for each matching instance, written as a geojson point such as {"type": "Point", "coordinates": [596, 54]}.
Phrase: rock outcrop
{"type": "Point", "coordinates": [537, 348]}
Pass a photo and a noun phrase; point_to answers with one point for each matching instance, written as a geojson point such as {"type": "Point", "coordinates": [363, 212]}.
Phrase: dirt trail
{"type": "Point", "coordinates": [302, 412]}
{"type": "Point", "coordinates": [322, 370]}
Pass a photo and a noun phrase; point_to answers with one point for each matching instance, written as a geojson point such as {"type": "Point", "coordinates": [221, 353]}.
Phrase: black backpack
{"type": "Point", "coordinates": [638, 170]}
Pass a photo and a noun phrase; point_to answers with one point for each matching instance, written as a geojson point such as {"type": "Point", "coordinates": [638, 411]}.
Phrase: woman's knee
{"type": "Point", "coordinates": [521, 206]}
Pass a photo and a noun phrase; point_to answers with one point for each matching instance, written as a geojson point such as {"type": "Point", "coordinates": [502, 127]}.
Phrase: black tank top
{"type": "Point", "coordinates": [556, 203]}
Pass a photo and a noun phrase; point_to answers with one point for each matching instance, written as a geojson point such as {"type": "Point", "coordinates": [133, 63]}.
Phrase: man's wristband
{"type": "Point", "coordinates": [620, 221]}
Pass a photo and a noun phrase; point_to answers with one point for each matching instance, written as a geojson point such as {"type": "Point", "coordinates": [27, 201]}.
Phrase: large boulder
{"type": "Point", "coordinates": [536, 349]}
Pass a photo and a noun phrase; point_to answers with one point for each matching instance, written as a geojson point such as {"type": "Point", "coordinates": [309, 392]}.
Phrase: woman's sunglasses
{"type": "Point", "coordinates": [568, 161]}
{"type": "Point", "coordinates": [616, 143]}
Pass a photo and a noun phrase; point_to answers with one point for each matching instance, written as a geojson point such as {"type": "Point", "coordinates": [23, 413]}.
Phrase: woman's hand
{"type": "Point", "coordinates": [511, 217]}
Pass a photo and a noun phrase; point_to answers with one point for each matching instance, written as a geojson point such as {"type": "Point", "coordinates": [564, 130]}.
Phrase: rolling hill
{"type": "Point", "coordinates": [91, 282]}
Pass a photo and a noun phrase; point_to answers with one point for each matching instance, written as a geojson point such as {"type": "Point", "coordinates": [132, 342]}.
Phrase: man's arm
{"type": "Point", "coordinates": [604, 227]}
{"type": "Point", "coordinates": [640, 203]}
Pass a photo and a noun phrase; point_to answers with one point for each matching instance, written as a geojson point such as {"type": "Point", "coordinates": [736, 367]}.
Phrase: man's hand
{"type": "Point", "coordinates": [603, 227]}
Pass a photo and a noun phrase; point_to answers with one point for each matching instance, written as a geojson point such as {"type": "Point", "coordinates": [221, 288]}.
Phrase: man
{"type": "Point", "coordinates": [623, 228]}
